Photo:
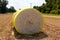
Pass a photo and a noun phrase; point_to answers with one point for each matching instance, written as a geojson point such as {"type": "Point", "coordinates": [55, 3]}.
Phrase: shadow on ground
{"type": "Point", "coordinates": [35, 36]}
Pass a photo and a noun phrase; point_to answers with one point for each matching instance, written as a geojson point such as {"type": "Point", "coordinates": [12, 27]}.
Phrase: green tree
{"type": "Point", "coordinates": [3, 4]}
{"type": "Point", "coordinates": [11, 9]}
{"type": "Point", "coordinates": [51, 6]}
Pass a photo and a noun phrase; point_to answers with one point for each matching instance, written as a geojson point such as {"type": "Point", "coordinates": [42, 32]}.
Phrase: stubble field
{"type": "Point", "coordinates": [50, 31]}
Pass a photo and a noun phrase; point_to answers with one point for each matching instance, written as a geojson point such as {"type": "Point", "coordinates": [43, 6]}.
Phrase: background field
{"type": "Point", "coordinates": [50, 31]}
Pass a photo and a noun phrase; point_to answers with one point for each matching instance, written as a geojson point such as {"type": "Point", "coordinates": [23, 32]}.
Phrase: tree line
{"type": "Point", "coordinates": [4, 9]}
{"type": "Point", "coordinates": [50, 7]}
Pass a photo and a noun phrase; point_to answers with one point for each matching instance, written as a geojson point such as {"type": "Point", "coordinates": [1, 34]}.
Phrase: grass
{"type": "Point", "coordinates": [51, 15]}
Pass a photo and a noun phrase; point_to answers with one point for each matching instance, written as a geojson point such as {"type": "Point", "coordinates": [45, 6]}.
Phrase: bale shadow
{"type": "Point", "coordinates": [34, 36]}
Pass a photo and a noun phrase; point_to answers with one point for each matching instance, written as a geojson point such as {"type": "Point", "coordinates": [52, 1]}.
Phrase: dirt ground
{"type": "Point", "coordinates": [50, 31]}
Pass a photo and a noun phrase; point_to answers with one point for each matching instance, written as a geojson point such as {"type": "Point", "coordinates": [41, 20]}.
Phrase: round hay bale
{"type": "Point", "coordinates": [28, 21]}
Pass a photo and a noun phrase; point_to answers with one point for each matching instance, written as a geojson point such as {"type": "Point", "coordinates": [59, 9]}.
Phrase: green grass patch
{"type": "Point", "coordinates": [51, 15]}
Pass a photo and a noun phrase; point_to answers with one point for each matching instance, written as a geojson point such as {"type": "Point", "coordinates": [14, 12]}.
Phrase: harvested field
{"type": "Point", "coordinates": [51, 30]}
